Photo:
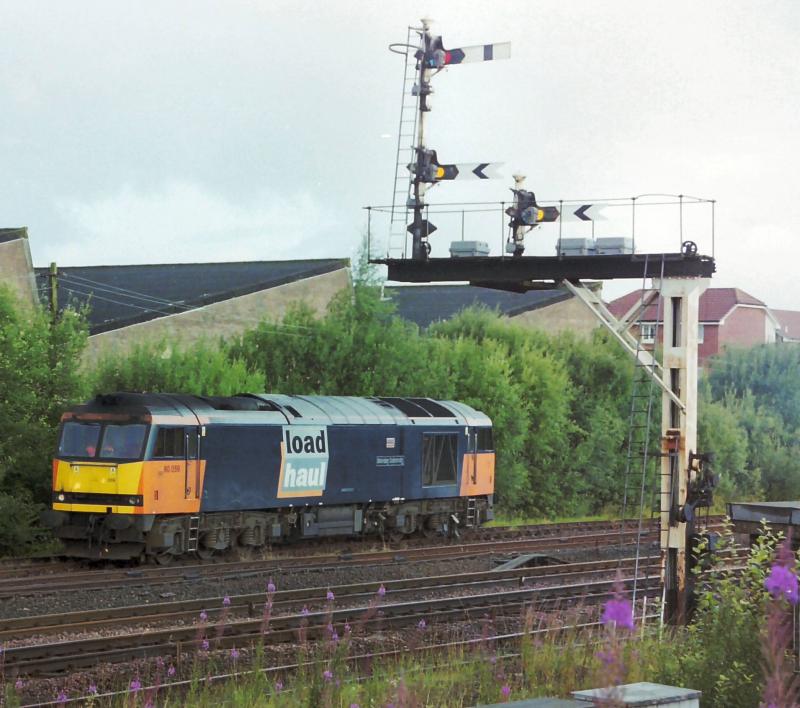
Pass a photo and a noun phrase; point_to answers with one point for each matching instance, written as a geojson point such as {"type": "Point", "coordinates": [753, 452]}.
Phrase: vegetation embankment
{"type": "Point", "coordinates": [559, 403]}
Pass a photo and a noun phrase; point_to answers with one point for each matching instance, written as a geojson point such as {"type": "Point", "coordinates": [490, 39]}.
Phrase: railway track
{"type": "Point", "coordinates": [252, 605]}
{"type": "Point", "coordinates": [109, 578]}
{"type": "Point", "coordinates": [487, 599]}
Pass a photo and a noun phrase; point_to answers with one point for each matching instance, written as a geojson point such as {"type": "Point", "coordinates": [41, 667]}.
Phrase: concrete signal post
{"type": "Point", "coordinates": [681, 297]}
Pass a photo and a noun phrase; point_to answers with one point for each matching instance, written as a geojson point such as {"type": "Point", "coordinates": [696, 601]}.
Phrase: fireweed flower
{"type": "Point", "coordinates": [304, 611]}
{"type": "Point", "coordinates": [422, 624]}
{"type": "Point", "coordinates": [171, 671]}
{"type": "Point", "coordinates": [226, 601]}
{"type": "Point", "coordinates": [334, 637]}
{"type": "Point", "coordinates": [62, 697]}
{"type": "Point", "coordinates": [204, 645]}
{"type": "Point", "coordinates": [619, 612]}
{"type": "Point", "coordinates": [381, 591]}
{"type": "Point", "coordinates": [782, 583]}
{"type": "Point", "coordinates": [330, 597]}
{"type": "Point", "coordinates": [203, 615]}
{"type": "Point", "coordinates": [19, 684]}
{"type": "Point", "coordinates": [136, 684]}
{"type": "Point", "coordinates": [327, 675]}
{"type": "Point", "coordinates": [92, 690]}
{"type": "Point", "coordinates": [270, 586]}
{"type": "Point", "coordinates": [278, 686]}
{"type": "Point", "coordinates": [234, 653]}
{"type": "Point", "coordinates": [506, 691]}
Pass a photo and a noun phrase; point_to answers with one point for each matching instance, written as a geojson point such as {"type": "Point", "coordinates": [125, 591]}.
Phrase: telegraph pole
{"type": "Point", "coordinates": [53, 291]}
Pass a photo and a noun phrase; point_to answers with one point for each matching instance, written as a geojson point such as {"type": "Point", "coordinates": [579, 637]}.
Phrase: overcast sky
{"type": "Point", "coordinates": [198, 131]}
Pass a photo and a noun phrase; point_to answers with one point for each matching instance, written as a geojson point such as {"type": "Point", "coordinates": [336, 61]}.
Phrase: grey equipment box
{"type": "Point", "coordinates": [575, 247]}
{"type": "Point", "coordinates": [466, 249]}
{"type": "Point", "coordinates": [614, 246]}
{"type": "Point", "coordinates": [642, 694]}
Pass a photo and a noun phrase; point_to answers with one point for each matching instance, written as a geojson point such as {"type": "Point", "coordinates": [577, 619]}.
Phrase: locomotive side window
{"type": "Point", "coordinates": [169, 443]}
{"type": "Point", "coordinates": [439, 458]}
{"type": "Point", "coordinates": [485, 440]}
{"type": "Point", "coordinates": [79, 439]}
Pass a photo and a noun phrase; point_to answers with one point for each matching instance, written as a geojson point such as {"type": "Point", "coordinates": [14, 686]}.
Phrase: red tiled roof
{"type": "Point", "coordinates": [789, 321]}
{"type": "Point", "coordinates": [715, 303]}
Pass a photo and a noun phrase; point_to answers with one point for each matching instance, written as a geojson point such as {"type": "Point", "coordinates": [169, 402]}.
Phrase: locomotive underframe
{"type": "Point", "coordinates": [162, 537]}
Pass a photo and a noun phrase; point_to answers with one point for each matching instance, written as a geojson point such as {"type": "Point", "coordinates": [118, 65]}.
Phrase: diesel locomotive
{"type": "Point", "coordinates": [158, 476]}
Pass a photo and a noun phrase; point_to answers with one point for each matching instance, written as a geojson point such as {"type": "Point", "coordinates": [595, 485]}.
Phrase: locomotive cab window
{"type": "Point", "coordinates": [122, 441]}
{"type": "Point", "coordinates": [439, 459]}
{"type": "Point", "coordinates": [485, 439]}
{"type": "Point", "coordinates": [78, 439]}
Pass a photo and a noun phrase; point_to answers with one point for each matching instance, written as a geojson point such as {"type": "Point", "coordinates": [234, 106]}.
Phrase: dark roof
{"type": "Point", "coordinates": [7, 235]}
{"type": "Point", "coordinates": [119, 296]}
{"type": "Point", "coordinates": [426, 304]}
{"type": "Point", "coordinates": [715, 303]}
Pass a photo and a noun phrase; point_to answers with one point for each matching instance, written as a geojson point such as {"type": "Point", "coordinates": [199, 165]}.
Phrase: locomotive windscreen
{"type": "Point", "coordinates": [104, 440]}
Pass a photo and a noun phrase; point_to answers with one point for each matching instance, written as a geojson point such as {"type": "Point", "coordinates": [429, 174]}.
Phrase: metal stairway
{"type": "Point", "coordinates": [194, 534]}
{"type": "Point", "coordinates": [406, 151]}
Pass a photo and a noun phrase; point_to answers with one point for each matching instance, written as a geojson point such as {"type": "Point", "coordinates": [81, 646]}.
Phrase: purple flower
{"type": "Point", "coordinates": [334, 636]}
{"type": "Point", "coordinates": [226, 601]}
{"type": "Point", "coordinates": [204, 645]}
{"type": "Point", "coordinates": [278, 686]}
{"type": "Point", "coordinates": [270, 586]}
{"type": "Point", "coordinates": [327, 675]}
{"type": "Point", "coordinates": [136, 684]}
{"type": "Point", "coordinates": [203, 615]}
{"type": "Point", "coordinates": [381, 591]}
{"type": "Point", "coordinates": [304, 611]}
{"type": "Point", "coordinates": [160, 662]}
{"type": "Point", "coordinates": [347, 628]}
{"type": "Point", "coordinates": [422, 624]}
{"type": "Point", "coordinates": [19, 684]}
{"type": "Point", "coordinates": [354, 705]}
{"type": "Point", "coordinates": [619, 612]}
{"type": "Point", "coordinates": [330, 596]}
{"type": "Point", "coordinates": [92, 690]}
{"type": "Point", "coordinates": [171, 671]}
{"type": "Point", "coordinates": [62, 697]}
{"type": "Point", "coordinates": [506, 691]}
{"type": "Point", "coordinates": [782, 583]}
{"type": "Point", "coordinates": [234, 653]}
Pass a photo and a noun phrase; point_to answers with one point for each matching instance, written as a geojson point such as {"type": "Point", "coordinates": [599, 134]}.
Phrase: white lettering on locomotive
{"type": "Point", "coordinates": [304, 461]}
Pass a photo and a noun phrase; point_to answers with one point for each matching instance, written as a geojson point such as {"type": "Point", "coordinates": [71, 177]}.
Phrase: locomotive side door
{"type": "Point", "coordinates": [191, 463]}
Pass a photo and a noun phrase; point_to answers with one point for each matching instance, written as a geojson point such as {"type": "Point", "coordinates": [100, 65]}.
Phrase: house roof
{"type": "Point", "coordinates": [426, 304]}
{"type": "Point", "coordinates": [7, 235]}
{"type": "Point", "coordinates": [789, 323]}
{"type": "Point", "coordinates": [119, 296]}
{"type": "Point", "coordinates": [715, 303]}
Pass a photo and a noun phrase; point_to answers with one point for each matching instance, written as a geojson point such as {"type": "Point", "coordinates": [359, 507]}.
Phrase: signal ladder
{"type": "Point", "coordinates": [406, 152]}
{"type": "Point", "coordinates": [638, 478]}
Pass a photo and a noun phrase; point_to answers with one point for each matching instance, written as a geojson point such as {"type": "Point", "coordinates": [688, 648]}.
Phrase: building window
{"type": "Point", "coordinates": [648, 333]}
{"type": "Point", "coordinates": [701, 333]}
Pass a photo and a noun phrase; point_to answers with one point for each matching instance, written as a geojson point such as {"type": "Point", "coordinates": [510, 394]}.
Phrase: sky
{"type": "Point", "coordinates": [187, 131]}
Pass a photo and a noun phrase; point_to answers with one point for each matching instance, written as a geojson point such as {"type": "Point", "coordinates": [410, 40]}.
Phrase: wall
{"type": "Point", "coordinates": [744, 327]}
{"type": "Point", "coordinates": [16, 269]}
{"type": "Point", "coordinates": [569, 314]}
{"type": "Point", "coordinates": [222, 319]}
{"type": "Point", "coordinates": [710, 345]}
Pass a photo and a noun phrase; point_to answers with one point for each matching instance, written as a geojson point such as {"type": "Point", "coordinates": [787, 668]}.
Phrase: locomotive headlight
{"type": "Point", "coordinates": [133, 501]}
{"type": "Point", "coordinates": [61, 497]}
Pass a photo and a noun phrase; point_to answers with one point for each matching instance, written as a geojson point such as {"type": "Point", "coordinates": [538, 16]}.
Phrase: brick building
{"type": "Point", "coordinates": [728, 317]}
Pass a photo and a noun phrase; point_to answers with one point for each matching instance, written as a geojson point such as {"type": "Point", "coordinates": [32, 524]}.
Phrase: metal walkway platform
{"type": "Point", "coordinates": [528, 272]}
